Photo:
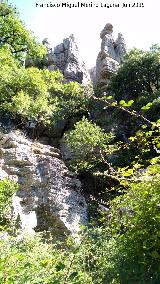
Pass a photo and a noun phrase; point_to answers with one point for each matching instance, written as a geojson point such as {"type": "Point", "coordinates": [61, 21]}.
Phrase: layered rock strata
{"type": "Point", "coordinates": [49, 196]}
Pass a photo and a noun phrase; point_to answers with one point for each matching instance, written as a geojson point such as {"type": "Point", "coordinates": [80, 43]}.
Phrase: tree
{"type": "Point", "coordinates": [37, 94]}
{"type": "Point", "coordinates": [138, 77]}
{"type": "Point", "coordinates": [14, 34]}
{"type": "Point", "coordinates": [27, 92]}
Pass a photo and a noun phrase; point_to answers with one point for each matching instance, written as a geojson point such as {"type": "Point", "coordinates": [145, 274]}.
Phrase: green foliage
{"type": "Point", "coordinates": [39, 109]}
{"type": "Point", "coordinates": [73, 100]}
{"type": "Point", "coordinates": [128, 104]}
{"type": "Point", "coordinates": [7, 189]}
{"type": "Point", "coordinates": [6, 58]}
{"type": "Point", "coordinates": [139, 76]}
{"type": "Point", "coordinates": [26, 92]}
{"type": "Point", "coordinates": [135, 218]}
{"type": "Point", "coordinates": [32, 81]}
{"type": "Point", "coordinates": [28, 260]}
{"type": "Point", "coordinates": [14, 34]}
{"type": "Point", "coordinates": [134, 103]}
{"type": "Point", "coordinates": [125, 250]}
{"type": "Point", "coordinates": [88, 143]}
{"type": "Point", "coordinates": [38, 94]}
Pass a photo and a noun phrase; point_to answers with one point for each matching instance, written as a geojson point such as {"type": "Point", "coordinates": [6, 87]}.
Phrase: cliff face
{"type": "Point", "coordinates": [49, 197]}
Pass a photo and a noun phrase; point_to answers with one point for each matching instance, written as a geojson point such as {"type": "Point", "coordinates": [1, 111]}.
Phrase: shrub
{"type": "Point", "coordinates": [135, 221]}
{"type": "Point", "coordinates": [7, 189]}
{"type": "Point", "coordinates": [88, 143]}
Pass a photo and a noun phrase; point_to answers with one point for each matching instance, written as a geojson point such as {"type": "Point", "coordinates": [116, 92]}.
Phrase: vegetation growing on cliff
{"type": "Point", "coordinates": [88, 144]}
{"type": "Point", "coordinates": [7, 189]}
{"type": "Point", "coordinates": [124, 250]}
{"type": "Point", "coordinates": [122, 244]}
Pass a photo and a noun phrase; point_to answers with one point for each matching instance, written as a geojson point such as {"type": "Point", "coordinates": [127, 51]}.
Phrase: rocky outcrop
{"type": "Point", "coordinates": [110, 56]}
{"type": "Point", "coordinates": [64, 57]}
{"type": "Point", "coordinates": [49, 196]}
{"type": "Point", "coordinates": [67, 60]}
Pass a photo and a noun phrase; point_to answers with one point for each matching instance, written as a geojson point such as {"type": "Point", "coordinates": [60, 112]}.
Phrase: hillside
{"type": "Point", "coordinates": [79, 160]}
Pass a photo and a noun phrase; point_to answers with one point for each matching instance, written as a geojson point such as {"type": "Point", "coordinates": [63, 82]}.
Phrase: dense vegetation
{"type": "Point", "coordinates": [115, 140]}
{"type": "Point", "coordinates": [34, 94]}
{"type": "Point", "coordinates": [14, 34]}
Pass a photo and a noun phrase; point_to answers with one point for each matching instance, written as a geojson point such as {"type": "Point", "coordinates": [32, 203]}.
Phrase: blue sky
{"type": "Point", "coordinates": [140, 26]}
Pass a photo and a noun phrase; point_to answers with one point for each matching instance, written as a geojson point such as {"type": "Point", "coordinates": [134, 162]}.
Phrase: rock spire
{"type": "Point", "coordinates": [110, 56]}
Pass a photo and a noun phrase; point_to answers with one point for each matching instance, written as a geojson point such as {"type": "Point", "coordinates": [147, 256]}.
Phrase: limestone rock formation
{"type": "Point", "coordinates": [64, 57]}
{"type": "Point", "coordinates": [67, 60]}
{"type": "Point", "coordinates": [49, 197]}
{"type": "Point", "coordinates": [120, 48]}
{"type": "Point", "coordinates": [110, 56]}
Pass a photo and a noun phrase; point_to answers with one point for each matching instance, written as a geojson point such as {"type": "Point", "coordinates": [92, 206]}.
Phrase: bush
{"type": "Point", "coordinates": [135, 221]}
{"type": "Point", "coordinates": [138, 76]}
{"type": "Point", "coordinates": [88, 143]}
{"type": "Point", "coordinates": [7, 189]}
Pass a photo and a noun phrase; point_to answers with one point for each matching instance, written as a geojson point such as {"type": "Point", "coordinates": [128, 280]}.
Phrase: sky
{"type": "Point", "coordinates": [140, 26]}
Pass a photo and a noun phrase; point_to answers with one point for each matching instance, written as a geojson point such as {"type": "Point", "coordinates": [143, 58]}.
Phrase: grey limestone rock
{"type": "Point", "coordinates": [68, 61]}
{"type": "Point", "coordinates": [49, 197]}
{"type": "Point", "coordinates": [110, 56]}
{"type": "Point", "coordinates": [120, 48]}
{"type": "Point", "coordinates": [66, 58]}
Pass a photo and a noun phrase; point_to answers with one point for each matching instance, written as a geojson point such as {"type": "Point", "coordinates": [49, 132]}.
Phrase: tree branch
{"type": "Point", "coordinates": [135, 114]}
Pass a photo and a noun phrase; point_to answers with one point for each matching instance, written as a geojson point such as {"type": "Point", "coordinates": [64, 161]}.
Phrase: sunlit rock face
{"type": "Point", "coordinates": [66, 58]}
{"type": "Point", "coordinates": [49, 197]}
{"type": "Point", "coordinates": [110, 57]}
